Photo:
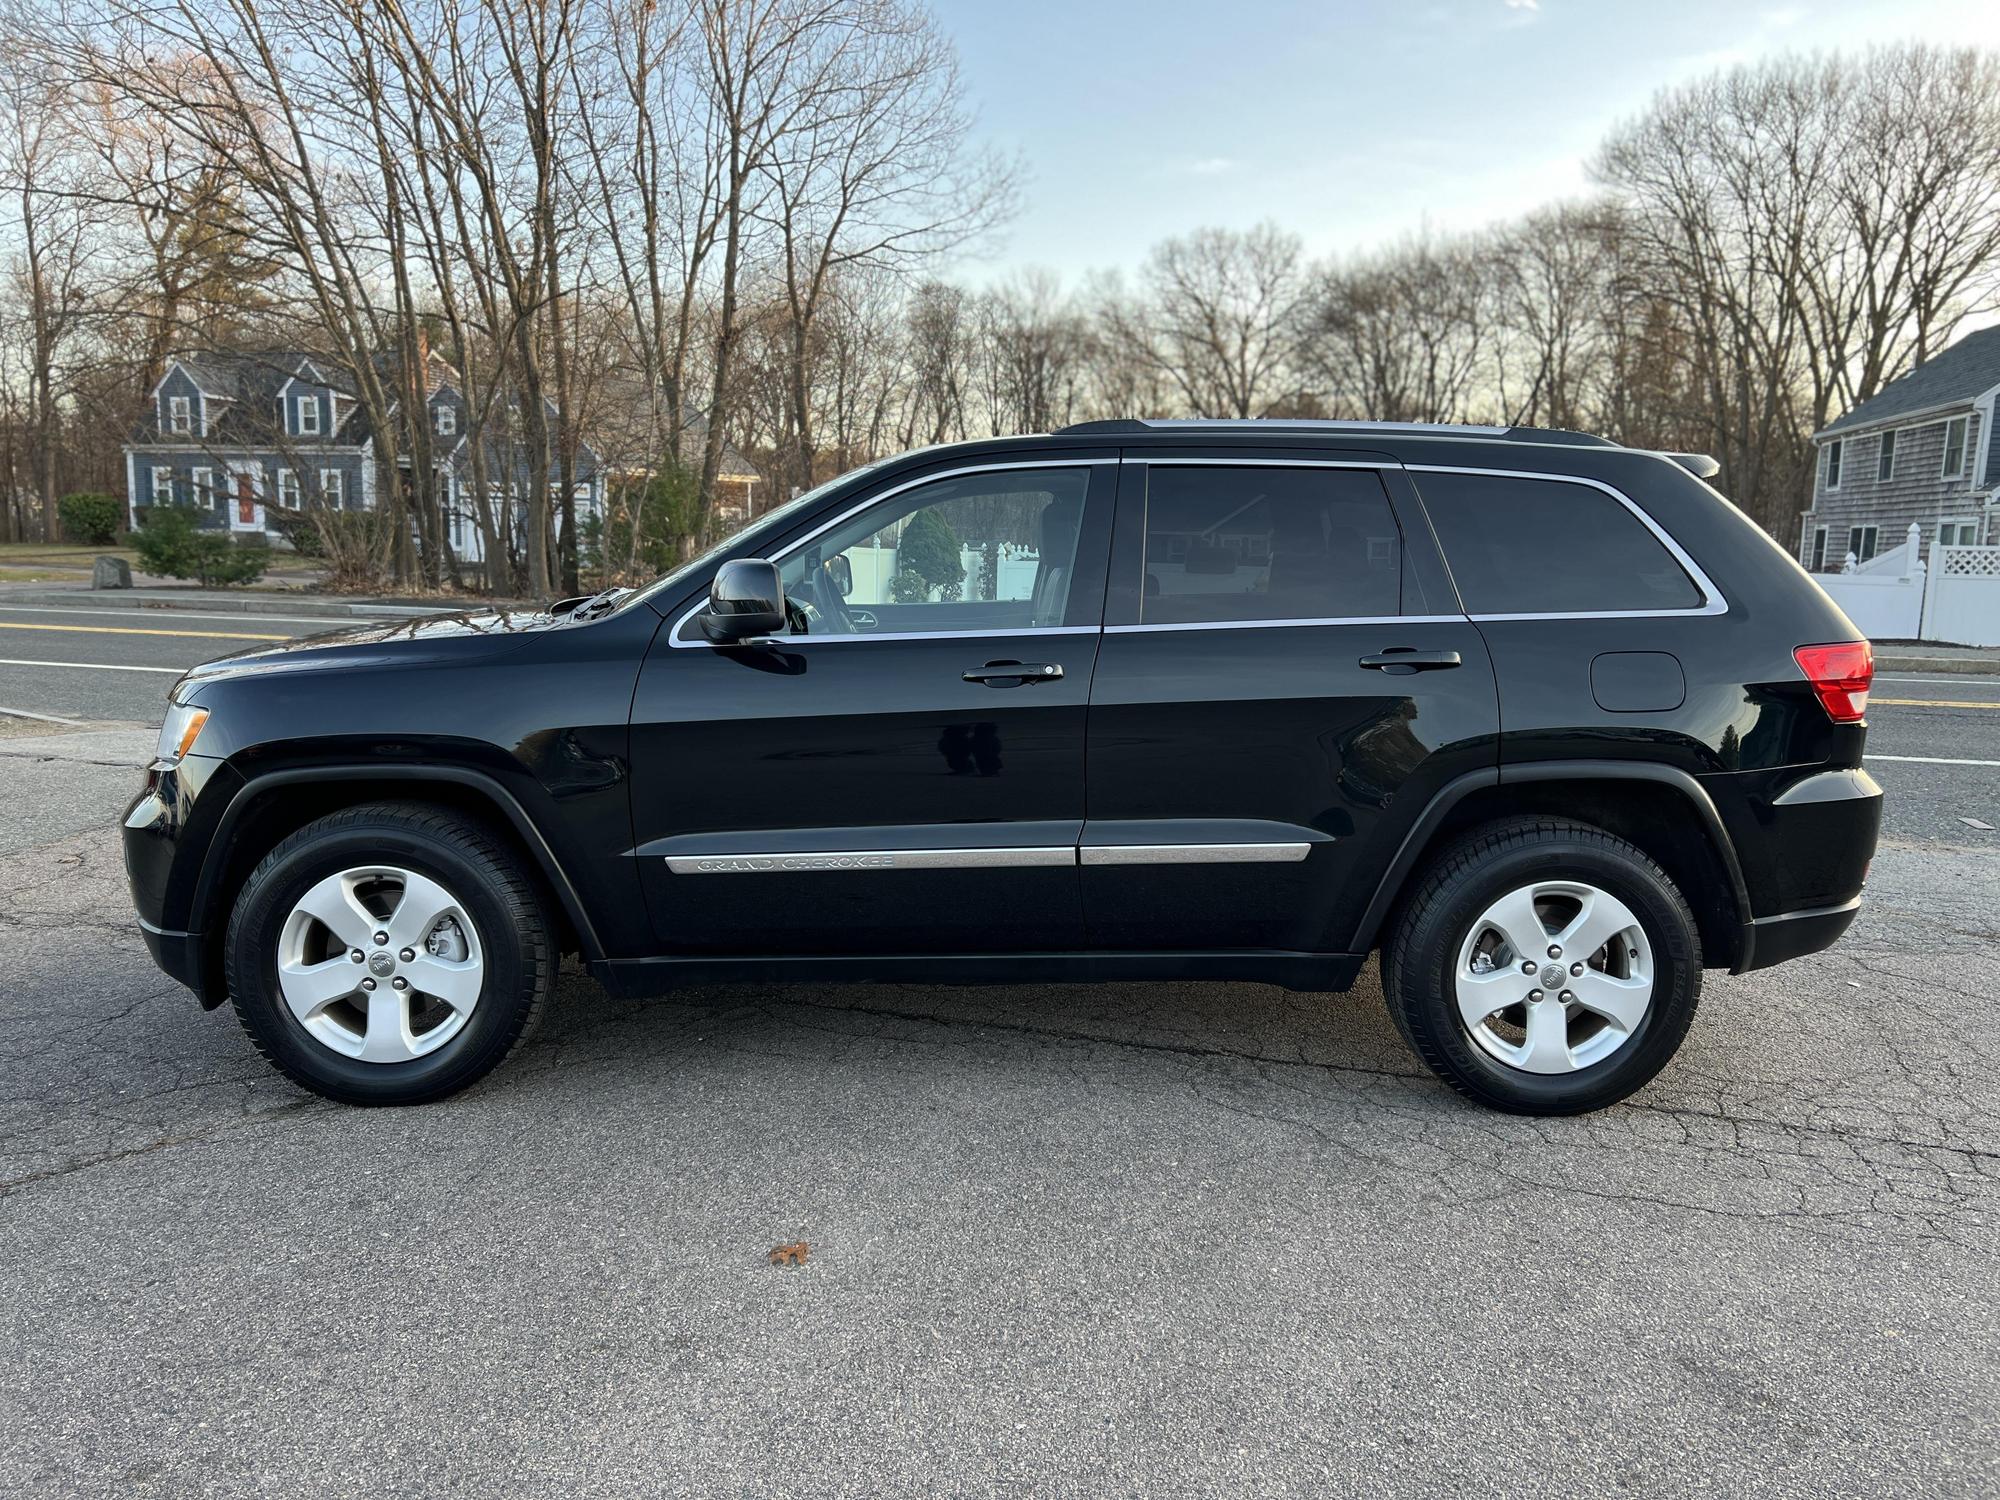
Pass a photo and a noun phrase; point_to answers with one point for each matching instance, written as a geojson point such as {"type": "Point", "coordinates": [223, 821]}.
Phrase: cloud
{"type": "Point", "coordinates": [1524, 4]}
{"type": "Point", "coordinates": [1211, 166]}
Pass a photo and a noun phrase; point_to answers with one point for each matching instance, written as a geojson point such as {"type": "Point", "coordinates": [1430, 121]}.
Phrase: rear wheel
{"type": "Point", "coordinates": [388, 954]}
{"type": "Point", "coordinates": [1544, 967]}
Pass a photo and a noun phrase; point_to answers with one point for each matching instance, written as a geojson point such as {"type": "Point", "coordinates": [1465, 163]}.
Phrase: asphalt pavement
{"type": "Point", "coordinates": [1159, 1240]}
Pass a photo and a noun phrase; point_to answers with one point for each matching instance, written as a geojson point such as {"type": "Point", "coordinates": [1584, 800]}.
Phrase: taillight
{"type": "Point", "coordinates": [1840, 675]}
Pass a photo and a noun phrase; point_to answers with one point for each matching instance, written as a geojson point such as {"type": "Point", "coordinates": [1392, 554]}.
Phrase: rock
{"type": "Point", "coordinates": [111, 573]}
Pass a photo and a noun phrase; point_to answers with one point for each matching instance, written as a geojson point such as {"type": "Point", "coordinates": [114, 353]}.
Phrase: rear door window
{"type": "Point", "coordinates": [1268, 542]}
{"type": "Point", "coordinates": [1548, 547]}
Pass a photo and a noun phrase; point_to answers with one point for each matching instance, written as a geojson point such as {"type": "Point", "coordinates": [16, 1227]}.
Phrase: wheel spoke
{"type": "Point", "coordinates": [1602, 918]}
{"type": "Point", "coordinates": [332, 902]}
{"type": "Point", "coordinates": [423, 902]}
{"type": "Point", "coordinates": [1546, 1049]}
{"type": "Point", "coordinates": [388, 1038]}
{"type": "Point", "coordinates": [310, 988]}
{"type": "Point", "coordinates": [1622, 1002]}
{"type": "Point", "coordinates": [1479, 995]}
{"type": "Point", "coordinates": [457, 984]}
{"type": "Point", "coordinates": [1513, 916]}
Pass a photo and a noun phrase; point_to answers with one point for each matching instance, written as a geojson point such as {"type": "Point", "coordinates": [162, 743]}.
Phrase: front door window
{"type": "Point", "coordinates": [992, 551]}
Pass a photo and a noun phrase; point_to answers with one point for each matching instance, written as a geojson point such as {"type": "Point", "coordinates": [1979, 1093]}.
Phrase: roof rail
{"type": "Point", "coordinates": [1701, 465]}
{"type": "Point", "coordinates": [1328, 424]}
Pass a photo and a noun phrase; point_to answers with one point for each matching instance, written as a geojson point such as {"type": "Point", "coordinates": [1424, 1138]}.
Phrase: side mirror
{"type": "Point", "coordinates": [745, 600]}
{"type": "Point", "coordinates": [841, 571]}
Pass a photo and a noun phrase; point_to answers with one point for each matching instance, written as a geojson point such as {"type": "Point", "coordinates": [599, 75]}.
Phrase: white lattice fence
{"type": "Point", "coordinates": [1962, 603]}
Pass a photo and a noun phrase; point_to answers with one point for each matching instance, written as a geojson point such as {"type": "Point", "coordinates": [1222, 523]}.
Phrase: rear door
{"type": "Point", "coordinates": [1286, 678]}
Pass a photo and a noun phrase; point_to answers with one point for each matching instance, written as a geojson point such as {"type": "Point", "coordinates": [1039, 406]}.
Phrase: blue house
{"type": "Point", "coordinates": [244, 438]}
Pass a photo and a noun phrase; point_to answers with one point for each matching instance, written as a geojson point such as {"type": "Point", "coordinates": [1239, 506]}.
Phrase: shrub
{"type": "Point", "coordinates": [169, 543]}
{"type": "Point", "coordinates": [908, 587]}
{"type": "Point", "coordinates": [645, 531]}
{"type": "Point", "coordinates": [929, 548]}
{"type": "Point", "coordinates": [91, 518]}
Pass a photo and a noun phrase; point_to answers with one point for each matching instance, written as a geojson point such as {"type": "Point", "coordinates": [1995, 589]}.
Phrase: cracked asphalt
{"type": "Point", "coordinates": [1119, 1240]}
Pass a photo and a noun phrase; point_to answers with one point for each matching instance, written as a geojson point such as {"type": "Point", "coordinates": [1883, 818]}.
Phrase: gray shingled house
{"type": "Point", "coordinates": [239, 436]}
{"type": "Point", "coordinates": [1919, 450]}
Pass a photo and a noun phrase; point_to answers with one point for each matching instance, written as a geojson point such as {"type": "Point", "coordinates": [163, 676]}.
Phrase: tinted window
{"type": "Point", "coordinates": [1257, 543]}
{"type": "Point", "coordinates": [1537, 546]}
{"type": "Point", "coordinates": [986, 551]}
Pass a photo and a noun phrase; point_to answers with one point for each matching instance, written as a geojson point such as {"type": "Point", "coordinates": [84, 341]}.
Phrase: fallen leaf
{"type": "Point", "coordinates": [793, 1254]}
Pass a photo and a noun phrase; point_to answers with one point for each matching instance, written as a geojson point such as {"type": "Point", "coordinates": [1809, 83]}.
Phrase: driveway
{"type": "Point", "coordinates": [1065, 1240]}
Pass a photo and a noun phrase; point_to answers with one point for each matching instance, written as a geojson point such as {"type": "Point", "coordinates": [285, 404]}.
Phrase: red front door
{"type": "Point", "coordinates": [246, 500]}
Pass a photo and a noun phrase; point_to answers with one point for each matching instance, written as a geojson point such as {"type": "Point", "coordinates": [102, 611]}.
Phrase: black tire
{"type": "Point", "coordinates": [1458, 886]}
{"type": "Point", "coordinates": [484, 877]}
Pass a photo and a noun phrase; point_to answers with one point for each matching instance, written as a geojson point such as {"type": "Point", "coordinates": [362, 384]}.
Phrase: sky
{"type": "Point", "coordinates": [1348, 123]}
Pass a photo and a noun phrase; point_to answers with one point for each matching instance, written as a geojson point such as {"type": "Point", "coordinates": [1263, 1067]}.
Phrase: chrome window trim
{"type": "Point", "coordinates": [674, 636]}
{"type": "Point", "coordinates": [1288, 624]}
{"type": "Point", "coordinates": [1712, 603]}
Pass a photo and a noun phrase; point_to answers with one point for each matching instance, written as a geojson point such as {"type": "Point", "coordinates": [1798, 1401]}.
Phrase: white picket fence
{"type": "Point", "coordinates": [1895, 597]}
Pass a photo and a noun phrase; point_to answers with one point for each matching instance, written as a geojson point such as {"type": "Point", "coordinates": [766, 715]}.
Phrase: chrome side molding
{"type": "Point", "coordinates": [852, 860]}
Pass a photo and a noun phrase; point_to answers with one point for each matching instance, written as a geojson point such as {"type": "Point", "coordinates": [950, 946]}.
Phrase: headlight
{"type": "Point", "coordinates": [178, 734]}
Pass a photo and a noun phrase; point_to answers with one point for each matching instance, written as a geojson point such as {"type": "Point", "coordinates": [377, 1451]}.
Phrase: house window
{"type": "Point", "coordinates": [180, 414]}
{"type": "Point", "coordinates": [1833, 465]}
{"type": "Point", "coordinates": [1954, 448]}
{"type": "Point", "coordinates": [288, 489]}
{"type": "Point", "coordinates": [447, 420]}
{"type": "Point", "coordinates": [1818, 555]}
{"type": "Point", "coordinates": [1958, 531]}
{"type": "Point", "coordinates": [333, 488]}
{"type": "Point", "coordinates": [1885, 461]}
{"type": "Point", "coordinates": [1861, 542]}
{"type": "Point", "coordinates": [163, 485]}
{"type": "Point", "coordinates": [204, 487]}
{"type": "Point", "coordinates": [309, 416]}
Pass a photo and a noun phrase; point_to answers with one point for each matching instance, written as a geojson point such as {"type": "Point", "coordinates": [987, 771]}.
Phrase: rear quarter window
{"type": "Point", "coordinates": [1549, 547]}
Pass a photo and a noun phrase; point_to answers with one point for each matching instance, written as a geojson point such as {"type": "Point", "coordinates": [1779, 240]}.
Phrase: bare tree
{"type": "Point", "coordinates": [1219, 318]}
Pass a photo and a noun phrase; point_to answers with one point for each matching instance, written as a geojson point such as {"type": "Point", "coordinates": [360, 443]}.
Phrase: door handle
{"type": "Point", "coordinates": [1009, 674]}
{"type": "Point", "coordinates": [1400, 661]}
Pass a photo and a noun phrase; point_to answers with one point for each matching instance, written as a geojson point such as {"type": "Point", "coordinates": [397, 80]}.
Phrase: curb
{"type": "Point", "coordinates": [1960, 665]}
{"type": "Point", "coordinates": [318, 608]}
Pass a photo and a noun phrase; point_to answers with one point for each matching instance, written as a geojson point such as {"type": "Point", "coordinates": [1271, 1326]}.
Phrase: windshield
{"type": "Point", "coordinates": [768, 524]}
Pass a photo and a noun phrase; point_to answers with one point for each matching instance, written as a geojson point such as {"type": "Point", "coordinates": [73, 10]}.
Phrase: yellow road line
{"type": "Point", "coordinates": [207, 635]}
{"type": "Point", "coordinates": [1931, 703]}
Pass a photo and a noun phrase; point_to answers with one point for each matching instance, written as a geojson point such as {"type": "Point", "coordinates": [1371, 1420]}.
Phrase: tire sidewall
{"type": "Point", "coordinates": [1440, 933]}
{"type": "Point", "coordinates": [258, 920]}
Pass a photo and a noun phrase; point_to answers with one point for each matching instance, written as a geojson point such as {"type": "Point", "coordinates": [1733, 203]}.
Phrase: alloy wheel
{"type": "Point", "coordinates": [1554, 977]}
{"type": "Point", "coordinates": [380, 964]}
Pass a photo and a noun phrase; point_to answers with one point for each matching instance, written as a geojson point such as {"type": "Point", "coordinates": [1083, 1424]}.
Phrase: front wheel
{"type": "Point", "coordinates": [388, 954]}
{"type": "Point", "coordinates": [1544, 967]}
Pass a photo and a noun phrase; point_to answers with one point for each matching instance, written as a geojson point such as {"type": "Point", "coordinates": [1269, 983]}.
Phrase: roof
{"type": "Point", "coordinates": [1959, 374]}
{"type": "Point", "coordinates": [248, 386]}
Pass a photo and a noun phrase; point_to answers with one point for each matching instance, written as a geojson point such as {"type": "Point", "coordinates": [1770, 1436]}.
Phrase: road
{"type": "Point", "coordinates": [1123, 1239]}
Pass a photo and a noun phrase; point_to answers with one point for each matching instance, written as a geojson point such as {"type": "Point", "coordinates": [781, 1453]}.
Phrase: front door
{"type": "Point", "coordinates": [1285, 679]}
{"type": "Point", "coordinates": [903, 771]}
{"type": "Point", "coordinates": [246, 512]}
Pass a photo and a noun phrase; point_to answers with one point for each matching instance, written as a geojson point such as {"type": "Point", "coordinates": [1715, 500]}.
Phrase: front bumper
{"type": "Point", "coordinates": [167, 832]}
{"type": "Point", "coordinates": [180, 955]}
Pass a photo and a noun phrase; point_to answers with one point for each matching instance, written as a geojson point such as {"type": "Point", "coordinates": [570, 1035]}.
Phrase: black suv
{"type": "Point", "coordinates": [1545, 719]}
